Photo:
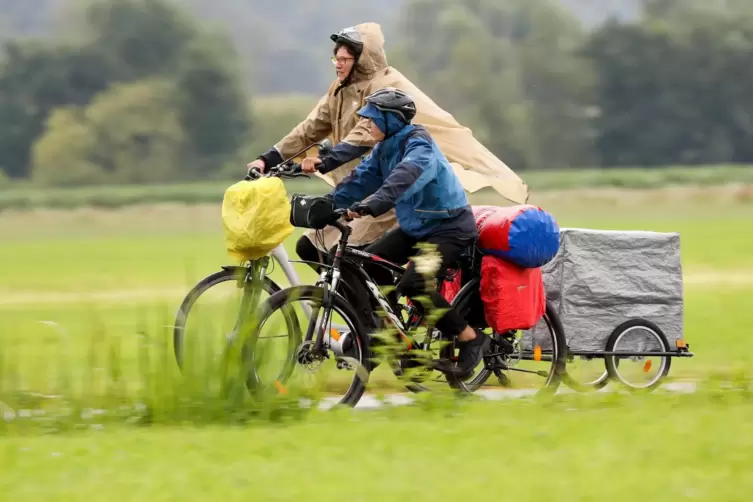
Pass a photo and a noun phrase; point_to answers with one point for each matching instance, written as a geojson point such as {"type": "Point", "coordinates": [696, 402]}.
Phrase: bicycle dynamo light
{"type": "Point", "coordinates": [338, 341]}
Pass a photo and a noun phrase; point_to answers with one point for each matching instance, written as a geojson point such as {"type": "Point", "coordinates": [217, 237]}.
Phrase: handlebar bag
{"type": "Point", "coordinates": [255, 217]}
{"type": "Point", "coordinates": [311, 211]}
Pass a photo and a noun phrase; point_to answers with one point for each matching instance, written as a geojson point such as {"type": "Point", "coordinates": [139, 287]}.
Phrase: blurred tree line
{"type": "Point", "coordinates": [153, 90]}
{"type": "Point", "coordinates": [142, 95]}
{"type": "Point", "coordinates": [670, 87]}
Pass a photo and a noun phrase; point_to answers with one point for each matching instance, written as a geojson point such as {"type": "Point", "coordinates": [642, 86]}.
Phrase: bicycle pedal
{"type": "Point", "coordinates": [445, 366]}
{"type": "Point", "coordinates": [503, 380]}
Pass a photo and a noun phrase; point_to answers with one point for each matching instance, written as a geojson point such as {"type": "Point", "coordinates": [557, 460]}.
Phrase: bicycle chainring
{"type": "Point", "coordinates": [509, 346]}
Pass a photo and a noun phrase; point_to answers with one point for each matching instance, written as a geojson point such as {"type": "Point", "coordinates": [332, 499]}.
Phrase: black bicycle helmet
{"type": "Point", "coordinates": [394, 100]}
{"type": "Point", "coordinates": [349, 37]}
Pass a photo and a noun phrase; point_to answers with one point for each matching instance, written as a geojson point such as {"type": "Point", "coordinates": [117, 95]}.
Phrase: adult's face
{"type": "Point", "coordinates": [344, 62]}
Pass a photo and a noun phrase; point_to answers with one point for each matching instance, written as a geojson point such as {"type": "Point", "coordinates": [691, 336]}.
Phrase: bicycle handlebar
{"type": "Point", "coordinates": [284, 170]}
{"type": "Point", "coordinates": [288, 168]}
{"type": "Point", "coordinates": [339, 213]}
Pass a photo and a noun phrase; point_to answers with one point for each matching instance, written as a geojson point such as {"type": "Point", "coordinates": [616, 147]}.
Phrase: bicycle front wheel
{"type": "Point", "coordinates": [338, 373]}
{"type": "Point", "coordinates": [211, 314]}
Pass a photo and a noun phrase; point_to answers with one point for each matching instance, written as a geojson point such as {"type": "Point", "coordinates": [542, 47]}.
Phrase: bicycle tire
{"type": "Point", "coordinates": [469, 294]}
{"type": "Point", "coordinates": [313, 294]}
{"type": "Point", "coordinates": [615, 336]}
{"type": "Point", "coordinates": [592, 386]}
{"type": "Point", "coordinates": [269, 286]}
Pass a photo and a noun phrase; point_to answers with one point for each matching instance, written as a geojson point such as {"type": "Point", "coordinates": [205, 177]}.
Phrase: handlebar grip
{"type": "Point", "coordinates": [253, 173]}
{"type": "Point", "coordinates": [360, 209]}
{"type": "Point", "coordinates": [342, 213]}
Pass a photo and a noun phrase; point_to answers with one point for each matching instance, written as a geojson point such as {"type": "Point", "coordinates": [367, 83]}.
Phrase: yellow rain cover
{"type": "Point", "coordinates": [255, 217]}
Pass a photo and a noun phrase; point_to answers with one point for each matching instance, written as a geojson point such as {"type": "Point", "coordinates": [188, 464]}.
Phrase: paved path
{"type": "Point", "coordinates": [370, 401]}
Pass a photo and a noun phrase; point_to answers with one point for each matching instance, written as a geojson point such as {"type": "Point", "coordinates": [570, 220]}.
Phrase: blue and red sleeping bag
{"type": "Point", "coordinates": [516, 241]}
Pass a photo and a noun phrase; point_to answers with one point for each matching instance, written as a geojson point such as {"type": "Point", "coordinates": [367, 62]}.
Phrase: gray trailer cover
{"type": "Point", "coordinates": [601, 278]}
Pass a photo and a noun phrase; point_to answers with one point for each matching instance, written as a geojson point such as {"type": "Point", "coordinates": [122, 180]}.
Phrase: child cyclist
{"type": "Point", "coordinates": [407, 171]}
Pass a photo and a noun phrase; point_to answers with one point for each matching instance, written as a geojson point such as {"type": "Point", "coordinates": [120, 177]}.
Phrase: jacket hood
{"type": "Point", "coordinates": [373, 58]}
{"type": "Point", "coordinates": [388, 123]}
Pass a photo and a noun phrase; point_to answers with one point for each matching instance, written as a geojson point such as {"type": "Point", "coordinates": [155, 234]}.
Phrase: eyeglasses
{"type": "Point", "coordinates": [336, 60]}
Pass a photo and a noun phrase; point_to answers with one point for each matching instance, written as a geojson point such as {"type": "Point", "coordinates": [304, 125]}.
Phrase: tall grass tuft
{"type": "Point", "coordinates": [61, 393]}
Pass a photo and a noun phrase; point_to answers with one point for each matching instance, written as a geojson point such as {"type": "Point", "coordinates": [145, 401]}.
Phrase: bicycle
{"type": "Point", "coordinates": [252, 278]}
{"type": "Point", "coordinates": [352, 350]}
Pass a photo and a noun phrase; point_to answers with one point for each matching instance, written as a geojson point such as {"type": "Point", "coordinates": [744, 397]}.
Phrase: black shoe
{"type": "Point", "coordinates": [471, 353]}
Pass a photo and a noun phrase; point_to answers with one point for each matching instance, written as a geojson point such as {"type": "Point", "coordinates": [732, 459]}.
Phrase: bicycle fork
{"type": "Point", "coordinates": [251, 283]}
{"type": "Point", "coordinates": [326, 337]}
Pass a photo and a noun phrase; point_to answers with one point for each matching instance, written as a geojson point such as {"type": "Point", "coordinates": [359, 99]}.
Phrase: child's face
{"type": "Point", "coordinates": [375, 132]}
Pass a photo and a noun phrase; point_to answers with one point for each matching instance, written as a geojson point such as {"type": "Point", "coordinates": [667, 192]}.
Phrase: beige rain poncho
{"type": "Point", "coordinates": [335, 117]}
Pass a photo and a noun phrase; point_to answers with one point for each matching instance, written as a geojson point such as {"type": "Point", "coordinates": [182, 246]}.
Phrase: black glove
{"type": "Point", "coordinates": [271, 158]}
{"type": "Point", "coordinates": [361, 208]}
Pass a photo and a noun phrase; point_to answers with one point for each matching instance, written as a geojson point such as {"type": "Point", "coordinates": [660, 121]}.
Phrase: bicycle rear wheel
{"type": "Point", "coordinates": [529, 361]}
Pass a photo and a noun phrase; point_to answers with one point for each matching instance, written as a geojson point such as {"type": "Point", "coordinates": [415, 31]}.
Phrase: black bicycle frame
{"type": "Point", "coordinates": [330, 279]}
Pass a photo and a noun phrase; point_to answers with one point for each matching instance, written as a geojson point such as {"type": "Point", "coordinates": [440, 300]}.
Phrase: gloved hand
{"type": "Point", "coordinates": [359, 209]}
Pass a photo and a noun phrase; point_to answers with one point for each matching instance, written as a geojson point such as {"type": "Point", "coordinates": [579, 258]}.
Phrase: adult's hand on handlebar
{"type": "Point", "coordinates": [309, 164]}
{"type": "Point", "coordinates": [258, 164]}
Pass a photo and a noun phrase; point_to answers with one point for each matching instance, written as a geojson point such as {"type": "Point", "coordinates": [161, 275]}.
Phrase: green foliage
{"type": "Point", "coordinates": [125, 41]}
{"type": "Point", "coordinates": [65, 154]}
{"type": "Point", "coordinates": [672, 99]}
{"type": "Point", "coordinates": [536, 80]}
{"type": "Point", "coordinates": [509, 70]}
{"type": "Point", "coordinates": [140, 37]}
{"type": "Point", "coordinates": [34, 80]}
{"type": "Point", "coordinates": [212, 104]}
{"type": "Point", "coordinates": [128, 134]}
{"type": "Point", "coordinates": [275, 116]}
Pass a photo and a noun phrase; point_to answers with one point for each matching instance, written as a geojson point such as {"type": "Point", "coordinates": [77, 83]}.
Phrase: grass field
{"type": "Point", "coordinates": [659, 448]}
{"type": "Point", "coordinates": [105, 275]}
{"type": "Point", "coordinates": [21, 195]}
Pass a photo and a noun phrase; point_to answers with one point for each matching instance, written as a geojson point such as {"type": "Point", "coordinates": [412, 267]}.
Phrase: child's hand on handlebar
{"type": "Point", "coordinates": [358, 209]}
{"type": "Point", "coordinates": [309, 164]}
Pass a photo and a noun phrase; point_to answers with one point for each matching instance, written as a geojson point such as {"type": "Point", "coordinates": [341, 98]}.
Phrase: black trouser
{"type": "Point", "coordinates": [397, 247]}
